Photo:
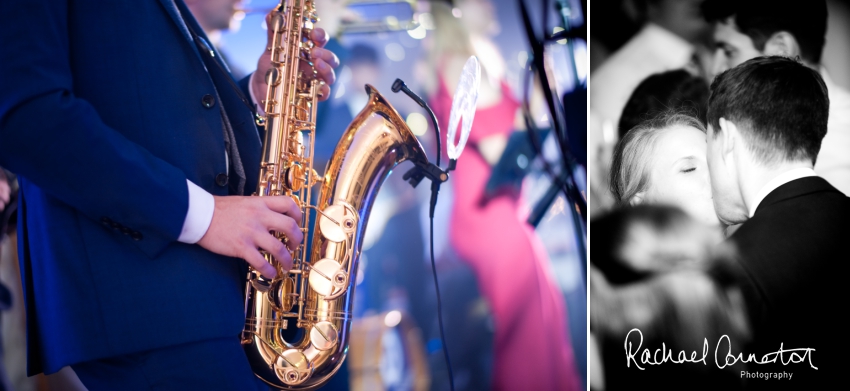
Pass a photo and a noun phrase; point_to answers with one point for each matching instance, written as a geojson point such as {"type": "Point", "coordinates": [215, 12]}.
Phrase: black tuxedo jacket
{"type": "Point", "coordinates": [793, 253]}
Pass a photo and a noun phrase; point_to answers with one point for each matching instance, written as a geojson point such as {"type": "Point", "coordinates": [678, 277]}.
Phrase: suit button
{"type": "Point", "coordinates": [105, 221]}
{"type": "Point", "coordinates": [208, 101]}
{"type": "Point", "coordinates": [115, 225]}
{"type": "Point", "coordinates": [136, 235]}
{"type": "Point", "coordinates": [221, 179]}
{"type": "Point", "coordinates": [125, 230]}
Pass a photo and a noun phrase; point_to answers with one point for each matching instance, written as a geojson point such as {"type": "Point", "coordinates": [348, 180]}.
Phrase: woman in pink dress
{"type": "Point", "coordinates": [532, 347]}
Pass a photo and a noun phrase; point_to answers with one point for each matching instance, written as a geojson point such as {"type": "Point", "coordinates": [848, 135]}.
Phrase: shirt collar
{"type": "Point", "coordinates": [780, 180]}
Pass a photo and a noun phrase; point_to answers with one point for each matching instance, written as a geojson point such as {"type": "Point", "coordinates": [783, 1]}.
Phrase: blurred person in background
{"type": "Point", "coordinates": [532, 347]}
{"type": "Point", "coordinates": [360, 66]}
{"type": "Point", "coordinates": [675, 36]}
{"type": "Point", "coordinates": [663, 161]}
{"type": "Point", "coordinates": [752, 28]}
{"type": "Point", "coordinates": [656, 269]}
{"type": "Point", "coordinates": [677, 90]}
{"type": "Point", "coordinates": [836, 51]}
{"type": "Point", "coordinates": [621, 22]}
{"type": "Point", "coordinates": [215, 18]}
{"type": "Point", "coordinates": [333, 118]}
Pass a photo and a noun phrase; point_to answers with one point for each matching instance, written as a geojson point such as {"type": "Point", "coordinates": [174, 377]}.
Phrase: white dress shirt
{"type": "Point", "coordinates": [777, 181]}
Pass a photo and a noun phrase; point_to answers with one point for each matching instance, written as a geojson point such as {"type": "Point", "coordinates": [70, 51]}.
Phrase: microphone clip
{"type": "Point", "coordinates": [428, 170]}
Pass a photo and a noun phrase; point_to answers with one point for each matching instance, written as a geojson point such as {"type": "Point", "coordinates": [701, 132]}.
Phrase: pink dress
{"type": "Point", "coordinates": [532, 347]}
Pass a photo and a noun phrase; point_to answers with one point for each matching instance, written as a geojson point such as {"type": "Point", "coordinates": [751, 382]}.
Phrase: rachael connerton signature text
{"type": "Point", "coordinates": [663, 355]}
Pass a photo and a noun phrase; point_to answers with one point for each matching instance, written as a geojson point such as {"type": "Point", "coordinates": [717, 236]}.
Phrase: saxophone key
{"type": "Point", "coordinates": [281, 295]}
{"type": "Point", "coordinates": [322, 276]}
{"type": "Point", "coordinates": [278, 22]}
{"type": "Point", "coordinates": [273, 77]}
{"type": "Point", "coordinates": [324, 335]}
{"type": "Point", "coordinates": [336, 223]}
{"type": "Point", "coordinates": [295, 177]}
{"type": "Point", "coordinates": [292, 367]}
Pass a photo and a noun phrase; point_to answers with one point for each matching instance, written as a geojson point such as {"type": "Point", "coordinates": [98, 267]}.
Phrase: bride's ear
{"type": "Point", "coordinates": [637, 199]}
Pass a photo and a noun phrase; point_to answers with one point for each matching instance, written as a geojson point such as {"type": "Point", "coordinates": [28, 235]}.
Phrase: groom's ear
{"type": "Point", "coordinates": [782, 43]}
{"type": "Point", "coordinates": [728, 135]}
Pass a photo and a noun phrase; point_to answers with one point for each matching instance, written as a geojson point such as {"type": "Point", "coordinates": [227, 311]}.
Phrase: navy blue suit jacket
{"type": "Point", "coordinates": [101, 115]}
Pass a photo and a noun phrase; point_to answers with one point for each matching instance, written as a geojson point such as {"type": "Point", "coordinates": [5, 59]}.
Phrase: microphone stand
{"type": "Point", "coordinates": [564, 181]}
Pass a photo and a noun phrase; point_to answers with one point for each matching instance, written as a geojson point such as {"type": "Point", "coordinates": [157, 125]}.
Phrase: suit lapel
{"type": "Point", "coordinates": [171, 8]}
{"type": "Point", "coordinates": [174, 13]}
{"type": "Point", "coordinates": [795, 188]}
{"type": "Point", "coordinates": [240, 117]}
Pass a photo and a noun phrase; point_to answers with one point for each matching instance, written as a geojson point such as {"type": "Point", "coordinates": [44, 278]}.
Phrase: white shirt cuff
{"type": "Point", "coordinates": [199, 216]}
{"type": "Point", "coordinates": [257, 102]}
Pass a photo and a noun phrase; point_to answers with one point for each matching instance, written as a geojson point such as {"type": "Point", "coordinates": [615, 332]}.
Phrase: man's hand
{"type": "Point", "coordinates": [324, 62]}
{"type": "Point", "coordinates": [240, 225]}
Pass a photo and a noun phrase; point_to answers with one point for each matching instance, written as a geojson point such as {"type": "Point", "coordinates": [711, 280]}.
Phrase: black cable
{"type": "Point", "coordinates": [419, 172]}
{"type": "Point", "coordinates": [436, 134]}
{"type": "Point", "coordinates": [437, 287]}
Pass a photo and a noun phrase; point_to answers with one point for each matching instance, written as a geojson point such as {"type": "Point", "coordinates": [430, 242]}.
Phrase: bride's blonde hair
{"type": "Point", "coordinates": [629, 166]}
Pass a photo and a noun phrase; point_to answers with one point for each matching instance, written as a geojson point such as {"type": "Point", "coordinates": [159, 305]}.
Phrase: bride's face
{"type": "Point", "coordinates": [679, 173]}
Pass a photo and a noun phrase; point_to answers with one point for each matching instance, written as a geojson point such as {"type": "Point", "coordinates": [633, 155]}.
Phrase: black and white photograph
{"type": "Point", "coordinates": [719, 168]}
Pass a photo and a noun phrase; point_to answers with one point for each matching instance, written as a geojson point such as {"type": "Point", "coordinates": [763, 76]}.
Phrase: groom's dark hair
{"type": "Point", "coordinates": [779, 105]}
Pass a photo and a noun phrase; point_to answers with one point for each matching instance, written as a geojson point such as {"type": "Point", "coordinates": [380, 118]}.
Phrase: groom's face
{"type": "Point", "coordinates": [724, 189]}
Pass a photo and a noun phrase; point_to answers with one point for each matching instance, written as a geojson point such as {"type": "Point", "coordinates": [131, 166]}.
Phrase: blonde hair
{"type": "Point", "coordinates": [629, 166]}
{"type": "Point", "coordinates": [451, 37]}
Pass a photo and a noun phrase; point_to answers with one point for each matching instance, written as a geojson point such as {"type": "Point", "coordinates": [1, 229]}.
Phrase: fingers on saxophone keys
{"type": "Point", "coordinates": [319, 37]}
{"type": "Point", "coordinates": [325, 72]}
{"type": "Point", "coordinates": [259, 263]}
{"type": "Point", "coordinates": [324, 92]}
{"type": "Point", "coordinates": [288, 227]}
{"type": "Point", "coordinates": [325, 55]}
{"type": "Point", "coordinates": [277, 249]}
{"type": "Point", "coordinates": [285, 205]}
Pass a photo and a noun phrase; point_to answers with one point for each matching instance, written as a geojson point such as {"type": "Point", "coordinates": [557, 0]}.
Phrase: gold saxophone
{"type": "Point", "coordinates": [298, 324]}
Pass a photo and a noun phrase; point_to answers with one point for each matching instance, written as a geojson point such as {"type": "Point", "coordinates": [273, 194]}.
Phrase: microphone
{"type": "Point", "coordinates": [399, 85]}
